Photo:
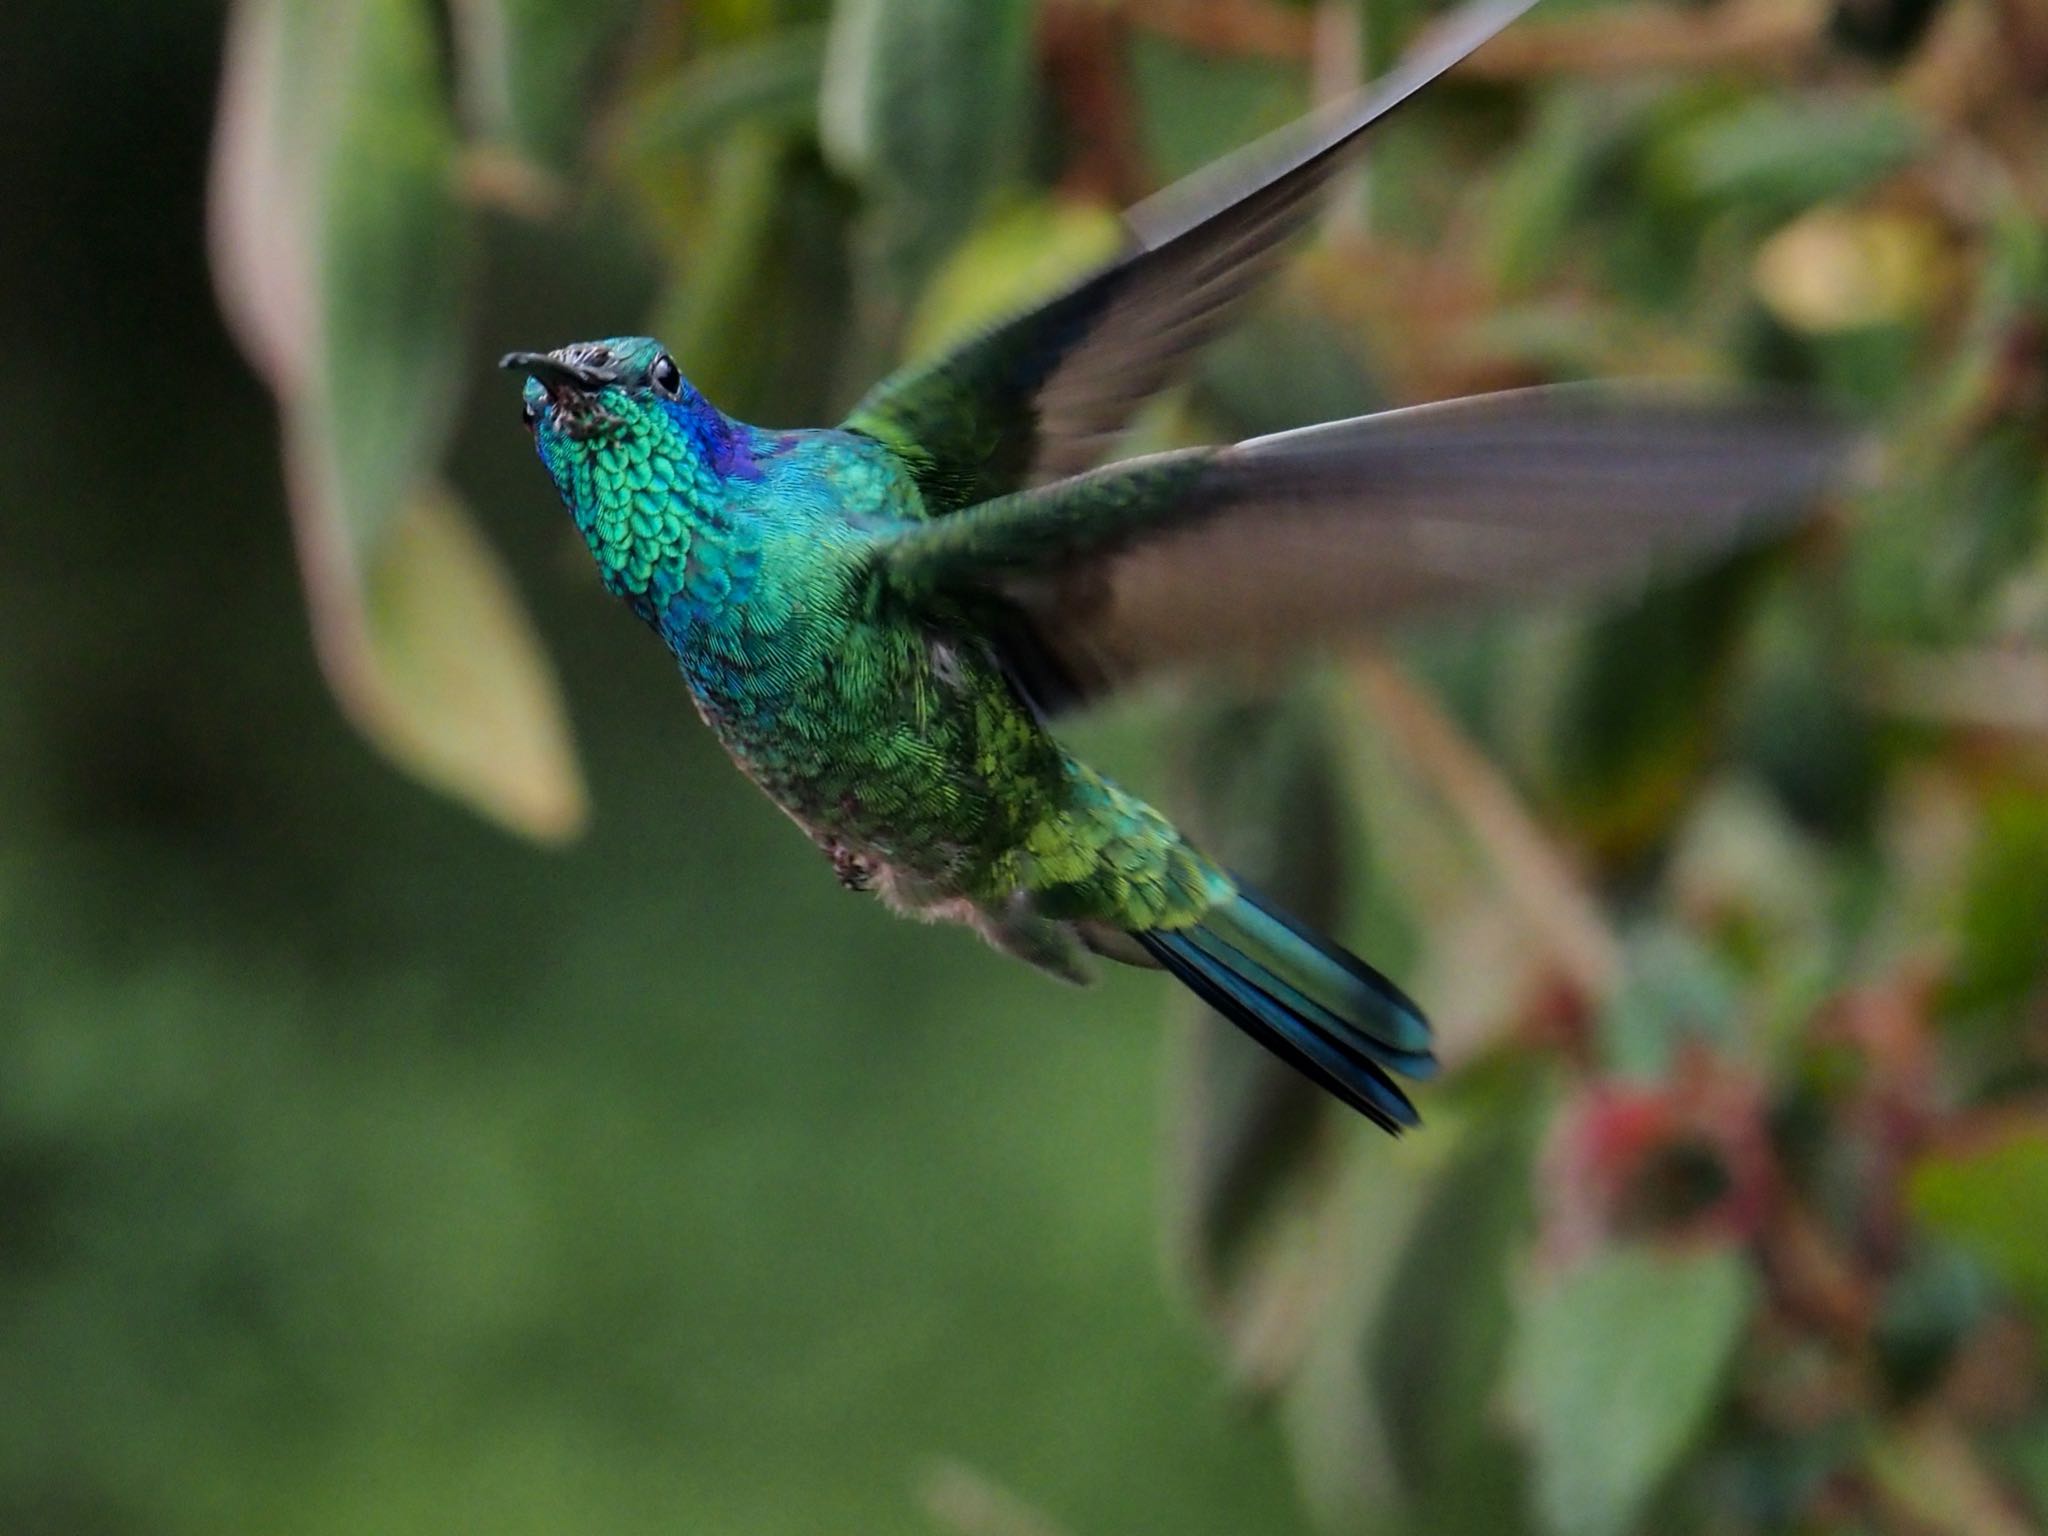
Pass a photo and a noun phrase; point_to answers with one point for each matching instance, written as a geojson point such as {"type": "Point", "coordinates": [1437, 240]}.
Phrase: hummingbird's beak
{"type": "Point", "coordinates": [555, 373]}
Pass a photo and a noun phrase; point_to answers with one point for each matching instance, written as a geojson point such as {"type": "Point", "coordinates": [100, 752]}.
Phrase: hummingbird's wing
{"type": "Point", "coordinates": [1275, 544]}
{"type": "Point", "coordinates": [1041, 395]}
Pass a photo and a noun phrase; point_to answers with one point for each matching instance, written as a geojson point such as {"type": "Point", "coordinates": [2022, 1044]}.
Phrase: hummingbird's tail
{"type": "Point", "coordinates": [1303, 997]}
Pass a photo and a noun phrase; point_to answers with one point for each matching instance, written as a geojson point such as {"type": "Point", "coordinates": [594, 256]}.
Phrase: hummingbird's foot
{"type": "Point", "coordinates": [854, 871]}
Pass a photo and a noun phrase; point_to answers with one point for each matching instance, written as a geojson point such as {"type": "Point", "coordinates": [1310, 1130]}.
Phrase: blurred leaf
{"type": "Point", "coordinates": [1801, 728]}
{"type": "Point", "coordinates": [712, 315]}
{"type": "Point", "coordinates": [1617, 1365]}
{"type": "Point", "coordinates": [1932, 1305]}
{"type": "Point", "coordinates": [1195, 107]}
{"type": "Point", "coordinates": [965, 1502]}
{"type": "Point", "coordinates": [2015, 283]}
{"type": "Point", "coordinates": [1674, 993]}
{"type": "Point", "coordinates": [1838, 270]}
{"type": "Point", "coordinates": [1929, 1474]}
{"type": "Point", "coordinates": [2003, 956]}
{"type": "Point", "coordinates": [1990, 1196]}
{"type": "Point", "coordinates": [1253, 1158]}
{"type": "Point", "coordinates": [1284, 365]}
{"type": "Point", "coordinates": [1385, 28]}
{"type": "Point", "coordinates": [1886, 29]}
{"type": "Point", "coordinates": [771, 81]}
{"type": "Point", "coordinates": [1922, 572]}
{"type": "Point", "coordinates": [342, 254]}
{"type": "Point", "coordinates": [1438, 1340]}
{"type": "Point", "coordinates": [1773, 152]}
{"type": "Point", "coordinates": [1012, 260]}
{"type": "Point", "coordinates": [761, 293]}
{"type": "Point", "coordinates": [2025, 1459]}
{"type": "Point", "coordinates": [1635, 713]}
{"type": "Point", "coordinates": [923, 103]}
{"type": "Point", "coordinates": [528, 68]}
{"type": "Point", "coordinates": [1532, 871]}
{"type": "Point", "coordinates": [339, 246]}
{"type": "Point", "coordinates": [466, 698]}
{"type": "Point", "coordinates": [393, 252]}
{"type": "Point", "coordinates": [279, 96]}
{"type": "Point", "coordinates": [1541, 189]}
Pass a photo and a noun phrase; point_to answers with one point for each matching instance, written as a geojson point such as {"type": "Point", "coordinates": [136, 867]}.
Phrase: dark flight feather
{"type": "Point", "coordinates": [1210, 553]}
{"type": "Point", "coordinates": [1044, 394]}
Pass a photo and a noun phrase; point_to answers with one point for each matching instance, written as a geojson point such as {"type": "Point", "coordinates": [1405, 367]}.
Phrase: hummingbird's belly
{"type": "Point", "coordinates": [897, 751]}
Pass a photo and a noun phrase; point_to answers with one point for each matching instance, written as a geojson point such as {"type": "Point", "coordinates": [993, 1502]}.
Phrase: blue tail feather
{"type": "Point", "coordinates": [1395, 1019]}
{"type": "Point", "coordinates": [1354, 1033]}
{"type": "Point", "coordinates": [1316, 1006]}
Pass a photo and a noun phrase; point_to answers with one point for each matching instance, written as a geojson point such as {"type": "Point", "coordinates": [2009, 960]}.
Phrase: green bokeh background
{"type": "Point", "coordinates": [364, 1170]}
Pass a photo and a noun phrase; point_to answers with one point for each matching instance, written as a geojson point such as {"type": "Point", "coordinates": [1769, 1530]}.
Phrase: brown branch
{"type": "Point", "coordinates": [1082, 46]}
{"type": "Point", "coordinates": [499, 177]}
{"type": "Point", "coordinates": [1535, 873]}
{"type": "Point", "coordinates": [1241, 28]}
{"type": "Point", "coordinates": [1741, 34]}
{"type": "Point", "coordinates": [1738, 34]}
{"type": "Point", "coordinates": [1926, 1476]}
{"type": "Point", "coordinates": [959, 1499]}
{"type": "Point", "coordinates": [1985, 690]}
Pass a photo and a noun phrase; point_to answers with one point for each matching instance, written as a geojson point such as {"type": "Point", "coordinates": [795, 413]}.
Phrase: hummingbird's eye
{"type": "Point", "coordinates": [529, 416]}
{"type": "Point", "coordinates": [666, 377]}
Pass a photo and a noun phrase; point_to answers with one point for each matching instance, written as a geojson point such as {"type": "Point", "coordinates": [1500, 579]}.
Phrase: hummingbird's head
{"type": "Point", "coordinates": [631, 445]}
{"type": "Point", "coordinates": [592, 391]}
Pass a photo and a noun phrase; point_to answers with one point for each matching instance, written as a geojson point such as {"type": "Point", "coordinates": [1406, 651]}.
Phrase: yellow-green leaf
{"type": "Point", "coordinates": [1615, 1367]}
{"type": "Point", "coordinates": [1014, 259]}
{"type": "Point", "coordinates": [456, 687]}
{"type": "Point", "coordinates": [1991, 1196]}
{"type": "Point", "coordinates": [341, 249]}
{"type": "Point", "coordinates": [528, 67]}
{"type": "Point", "coordinates": [1835, 269]}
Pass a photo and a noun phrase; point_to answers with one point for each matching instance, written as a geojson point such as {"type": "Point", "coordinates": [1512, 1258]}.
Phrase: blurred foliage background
{"type": "Point", "coordinates": [366, 1169]}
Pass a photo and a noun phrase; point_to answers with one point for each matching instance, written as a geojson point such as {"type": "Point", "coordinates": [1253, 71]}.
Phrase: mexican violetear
{"type": "Point", "coordinates": [880, 620]}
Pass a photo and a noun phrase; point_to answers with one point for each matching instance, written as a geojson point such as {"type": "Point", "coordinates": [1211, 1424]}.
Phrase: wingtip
{"type": "Point", "coordinates": [1446, 43]}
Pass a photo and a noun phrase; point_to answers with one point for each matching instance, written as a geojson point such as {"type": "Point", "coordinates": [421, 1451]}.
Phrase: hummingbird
{"type": "Point", "coordinates": [882, 621]}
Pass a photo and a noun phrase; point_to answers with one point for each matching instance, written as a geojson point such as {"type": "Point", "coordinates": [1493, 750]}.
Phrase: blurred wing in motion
{"type": "Point", "coordinates": [1207, 553]}
{"type": "Point", "coordinates": [1042, 395]}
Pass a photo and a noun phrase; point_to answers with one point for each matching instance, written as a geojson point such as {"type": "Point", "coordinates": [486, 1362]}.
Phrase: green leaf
{"type": "Point", "coordinates": [2003, 958]}
{"type": "Point", "coordinates": [1990, 1197]}
{"type": "Point", "coordinates": [527, 68]}
{"type": "Point", "coordinates": [770, 82]}
{"type": "Point", "coordinates": [712, 314]}
{"type": "Point", "coordinates": [1675, 992]}
{"type": "Point", "coordinates": [1884, 29]}
{"type": "Point", "coordinates": [1942, 549]}
{"type": "Point", "coordinates": [340, 248]}
{"type": "Point", "coordinates": [1931, 1308]}
{"type": "Point", "coordinates": [1616, 1367]}
{"type": "Point", "coordinates": [279, 97]}
{"type": "Point", "coordinates": [343, 253]}
{"type": "Point", "coordinates": [1933, 1479]}
{"type": "Point", "coordinates": [1438, 1338]}
{"type": "Point", "coordinates": [463, 695]}
{"type": "Point", "coordinates": [1195, 107]}
{"type": "Point", "coordinates": [1013, 259]}
{"type": "Point", "coordinates": [1635, 714]}
{"type": "Point", "coordinates": [760, 296]}
{"type": "Point", "coordinates": [923, 103]}
{"type": "Point", "coordinates": [1773, 153]}
{"type": "Point", "coordinates": [1800, 728]}
{"type": "Point", "coordinates": [1250, 1176]}
{"type": "Point", "coordinates": [392, 261]}
{"type": "Point", "coordinates": [1533, 211]}
{"type": "Point", "coordinates": [1282, 366]}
